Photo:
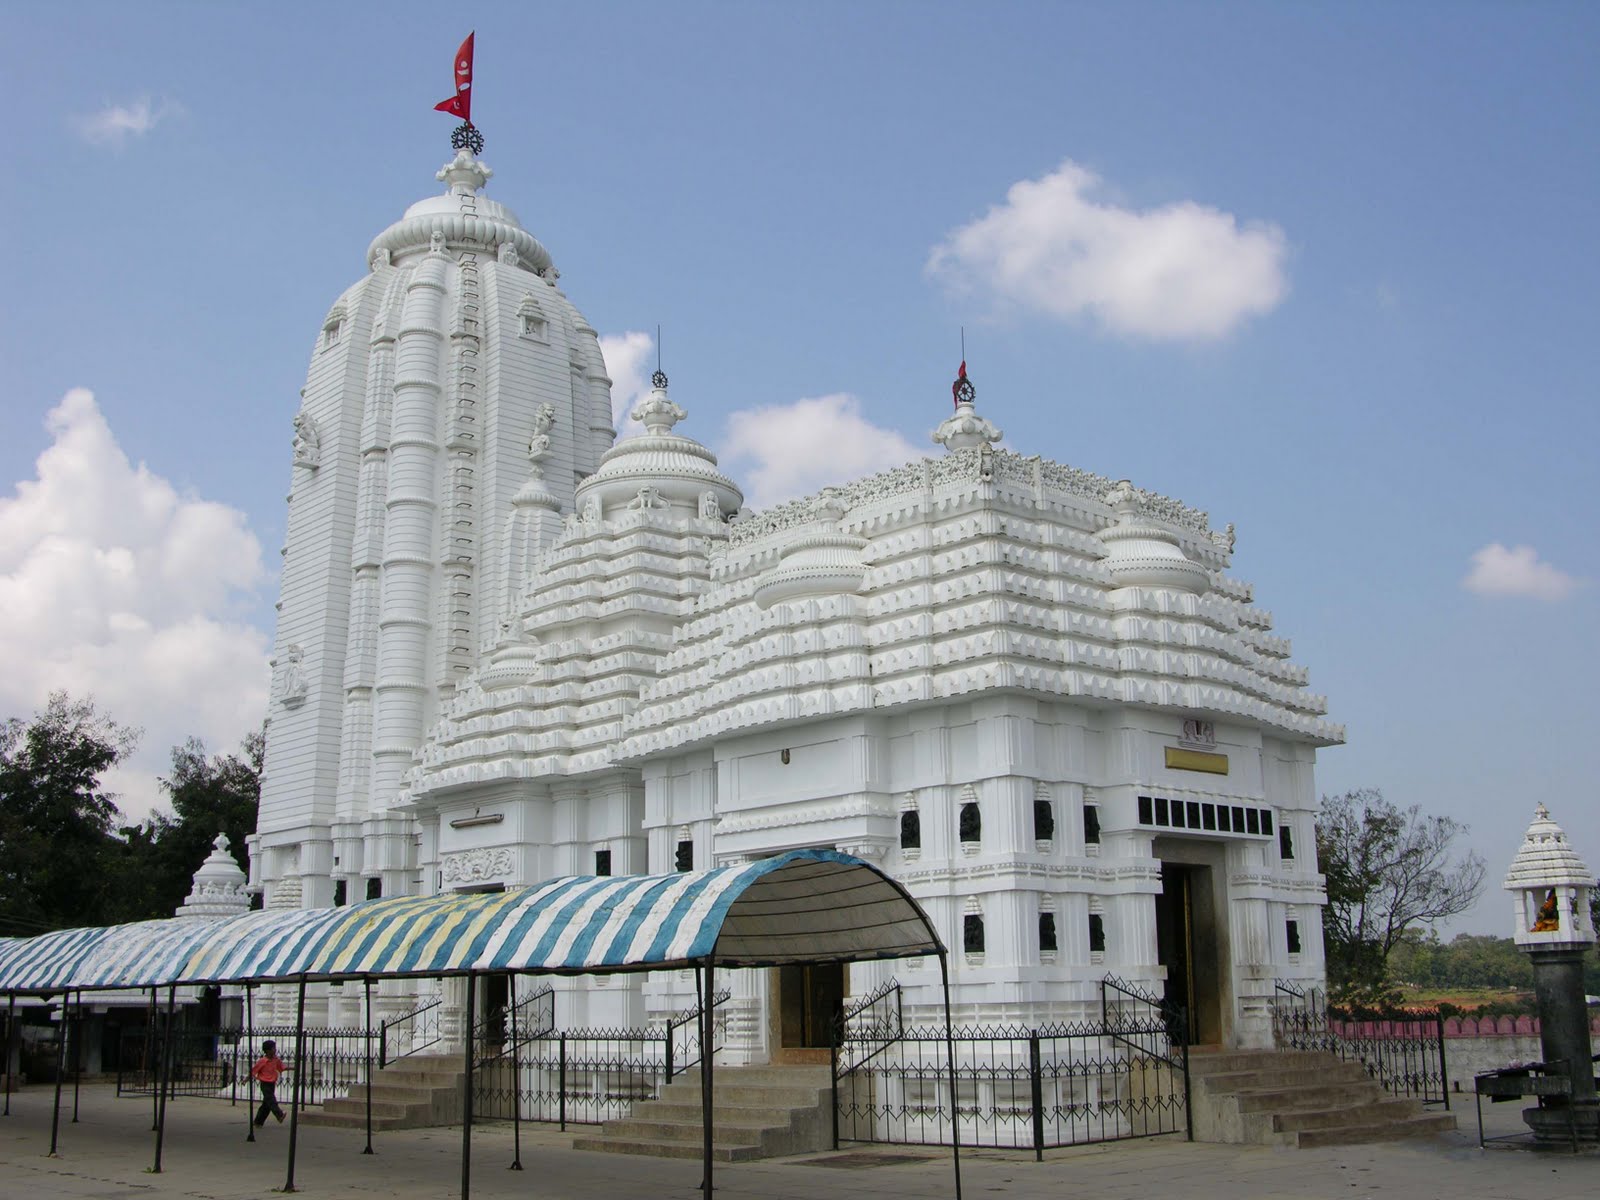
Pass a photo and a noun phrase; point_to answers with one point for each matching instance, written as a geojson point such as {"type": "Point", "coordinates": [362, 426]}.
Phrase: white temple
{"type": "Point", "coordinates": [509, 649]}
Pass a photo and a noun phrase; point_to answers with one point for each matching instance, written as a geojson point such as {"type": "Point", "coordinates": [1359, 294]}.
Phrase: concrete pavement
{"type": "Point", "coordinates": [205, 1155]}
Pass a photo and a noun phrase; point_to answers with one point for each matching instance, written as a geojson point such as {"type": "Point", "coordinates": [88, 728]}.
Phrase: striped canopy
{"type": "Point", "coordinates": [804, 906]}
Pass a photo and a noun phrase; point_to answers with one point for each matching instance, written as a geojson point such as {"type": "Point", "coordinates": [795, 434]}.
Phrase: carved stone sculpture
{"type": "Point", "coordinates": [307, 441]}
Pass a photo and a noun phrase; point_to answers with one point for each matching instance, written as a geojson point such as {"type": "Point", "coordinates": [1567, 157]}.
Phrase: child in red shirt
{"type": "Point", "coordinates": [266, 1070]}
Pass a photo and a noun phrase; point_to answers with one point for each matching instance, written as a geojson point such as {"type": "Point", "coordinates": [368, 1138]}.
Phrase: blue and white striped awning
{"type": "Point", "coordinates": [804, 906]}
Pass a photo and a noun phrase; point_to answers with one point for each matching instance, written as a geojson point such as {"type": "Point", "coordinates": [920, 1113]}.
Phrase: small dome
{"type": "Point", "coordinates": [1141, 553]}
{"type": "Point", "coordinates": [1546, 859]}
{"type": "Point", "coordinates": [819, 559]}
{"type": "Point", "coordinates": [462, 215]}
{"type": "Point", "coordinates": [659, 468]}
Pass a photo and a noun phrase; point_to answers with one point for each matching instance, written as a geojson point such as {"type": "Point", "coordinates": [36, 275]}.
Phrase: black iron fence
{"type": "Point", "coordinates": [1124, 1076]}
{"type": "Point", "coordinates": [216, 1062]}
{"type": "Point", "coordinates": [589, 1076]}
{"type": "Point", "coordinates": [1402, 1050]}
{"type": "Point", "coordinates": [411, 1032]}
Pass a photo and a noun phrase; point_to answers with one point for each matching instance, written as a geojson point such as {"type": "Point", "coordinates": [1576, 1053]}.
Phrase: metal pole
{"type": "Point", "coordinates": [164, 1076]}
{"type": "Point", "coordinates": [833, 1070]}
{"type": "Point", "coordinates": [299, 1080]}
{"type": "Point", "coordinates": [706, 1081]}
{"type": "Point", "coordinates": [561, 1080]}
{"type": "Point", "coordinates": [1036, 1094]}
{"type": "Point", "coordinates": [1444, 1069]}
{"type": "Point", "coordinates": [11, 1029]}
{"type": "Point", "coordinates": [366, 984]}
{"type": "Point", "coordinates": [154, 1072]}
{"type": "Point", "coordinates": [249, 1049]}
{"type": "Point", "coordinates": [61, 1067]}
{"type": "Point", "coordinates": [466, 1093]}
{"type": "Point", "coordinates": [516, 1082]}
{"type": "Point", "coordinates": [950, 1051]}
{"type": "Point", "coordinates": [77, 1056]}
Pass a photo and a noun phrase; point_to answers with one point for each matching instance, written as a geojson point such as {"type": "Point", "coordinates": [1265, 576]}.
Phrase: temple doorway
{"type": "Point", "coordinates": [1187, 946]}
{"type": "Point", "coordinates": [810, 1001]}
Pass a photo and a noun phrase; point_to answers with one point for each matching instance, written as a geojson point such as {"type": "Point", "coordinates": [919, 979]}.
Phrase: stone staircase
{"type": "Point", "coordinates": [1298, 1098]}
{"type": "Point", "coordinates": [409, 1093]}
{"type": "Point", "coordinates": [757, 1112]}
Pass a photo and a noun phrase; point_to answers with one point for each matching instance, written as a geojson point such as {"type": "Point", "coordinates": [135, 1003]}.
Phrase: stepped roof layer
{"type": "Point", "coordinates": [655, 627]}
{"type": "Point", "coordinates": [1546, 858]}
{"type": "Point", "coordinates": [804, 906]}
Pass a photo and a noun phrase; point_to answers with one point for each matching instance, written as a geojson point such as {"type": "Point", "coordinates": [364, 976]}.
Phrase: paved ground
{"type": "Point", "coordinates": [108, 1153]}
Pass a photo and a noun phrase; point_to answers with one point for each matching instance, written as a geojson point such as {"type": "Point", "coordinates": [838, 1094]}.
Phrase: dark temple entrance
{"type": "Point", "coordinates": [1186, 945]}
{"type": "Point", "coordinates": [810, 1000]}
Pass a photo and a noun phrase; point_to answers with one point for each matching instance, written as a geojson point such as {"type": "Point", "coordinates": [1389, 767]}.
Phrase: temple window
{"type": "Point", "coordinates": [1097, 933]}
{"type": "Point", "coordinates": [1044, 821]}
{"type": "Point", "coordinates": [1292, 929]}
{"type": "Point", "coordinates": [531, 322]}
{"type": "Point", "coordinates": [971, 824]}
{"type": "Point", "coordinates": [911, 830]}
{"type": "Point", "coordinates": [972, 933]}
{"type": "Point", "coordinates": [374, 888]}
{"type": "Point", "coordinates": [602, 862]}
{"type": "Point", "coordinates": [683, 860]}
{"type": "Point", "coordinates": [341, 893]}
{"type": "Point", "coordinates": [1047, 931]}
{"type": "Point", "coordinates": [1285, 843]}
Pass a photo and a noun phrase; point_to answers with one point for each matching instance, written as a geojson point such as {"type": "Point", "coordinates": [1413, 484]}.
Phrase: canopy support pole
{"type": "Point", "coordinates": [249, 1049]}
{"type": "Point", "coordinates": [11, 1030]}
{"type": "Point", "coordinates": [77, 1056]}
{"type": "Point", "coordinates": [164, 1077]}
{"type": "Point", "coordinates": [466, 1091]}
{"type": "Point", "coordinates": [299, 1079]}
{"type": "Point", "coordinates": [516, 1082]}
{"type": "Point", "coordinates": [950, 1058]}
{"type": "Point", "coordinates": [152, 1060]}
{"type": "Point", "coordinates": [61, 1068]}
{"type": "Point", "coordinates": [366, 985]}
{"type": "Point", "coordinates": [707, 1043]}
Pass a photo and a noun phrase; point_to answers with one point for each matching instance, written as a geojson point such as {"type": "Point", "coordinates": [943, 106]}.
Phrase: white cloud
{"type": "Point", "coordinates": [1518, 571]}
{"type": "Point", "coordinates": [114, 124]}
{"type": "Point", "coordinates": [113, 584]}
{"type": "Point", "coordinates": [786, 450]}
{"type": "Point", "coordinates": [628, 363]}
{"type": "Point", "coordinates": [1184, 271]}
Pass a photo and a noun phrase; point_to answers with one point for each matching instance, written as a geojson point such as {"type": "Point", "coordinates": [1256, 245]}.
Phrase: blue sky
{"type": "Point", "coordinates": [1377, 220]}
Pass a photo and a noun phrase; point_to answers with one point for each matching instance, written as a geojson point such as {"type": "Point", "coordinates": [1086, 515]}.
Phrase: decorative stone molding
{"type": "Point", "coordinates": [474, 866]}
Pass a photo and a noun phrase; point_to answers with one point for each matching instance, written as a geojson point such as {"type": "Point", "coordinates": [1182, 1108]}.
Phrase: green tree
{"type": "Point", "coordinates": [1388, 870]}
{"type": "Point", "coordinates": [56, 819]}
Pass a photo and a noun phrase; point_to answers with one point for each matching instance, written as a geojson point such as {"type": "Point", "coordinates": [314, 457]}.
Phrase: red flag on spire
{"type": "Point", "coordinates": [961, 377]}
{"type": "Point", "coordinates": [460, 104]}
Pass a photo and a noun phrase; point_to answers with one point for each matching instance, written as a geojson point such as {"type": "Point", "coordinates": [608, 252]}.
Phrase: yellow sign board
{"type": "Point", "coordinates": [1197, 760]}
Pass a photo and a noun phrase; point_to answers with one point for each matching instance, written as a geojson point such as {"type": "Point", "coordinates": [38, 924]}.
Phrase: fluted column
{"type": "Point", "coordinates": [411, 523]}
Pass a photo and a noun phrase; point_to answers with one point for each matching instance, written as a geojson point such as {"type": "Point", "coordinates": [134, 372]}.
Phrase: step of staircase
{"type": "Point", "coordinates": [756, 1112]}
{"type": "Point", "coordinates": [1298, 1098]}
{"type": "Point", "coordinates": [410, 1093]}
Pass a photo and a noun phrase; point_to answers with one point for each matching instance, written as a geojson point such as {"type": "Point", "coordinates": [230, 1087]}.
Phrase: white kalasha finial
{"type": "Point", "coordinates": [656, 411]}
